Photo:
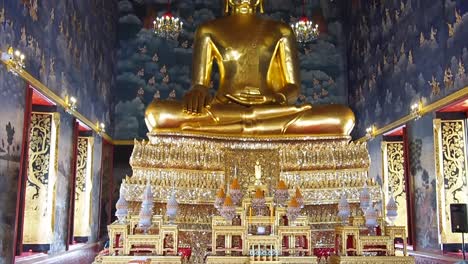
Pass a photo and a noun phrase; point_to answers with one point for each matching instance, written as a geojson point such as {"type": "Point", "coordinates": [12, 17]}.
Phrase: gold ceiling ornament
{"type": "Point", "coordinates": [168, 26]}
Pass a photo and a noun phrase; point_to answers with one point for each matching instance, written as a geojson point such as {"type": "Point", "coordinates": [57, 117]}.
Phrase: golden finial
{"type": "Point", "coordinates": [293, 203]}
{"type": "Point", "coordinates": [235, 184]}
{"type": "Point", "coordinates": [258, 193]}
{"type": "Point", "coordinates": [228, 201]}
{"type": "Point", "coordinates": [282, 185]}
{"type": "Point", "coordinates": [221, 193]}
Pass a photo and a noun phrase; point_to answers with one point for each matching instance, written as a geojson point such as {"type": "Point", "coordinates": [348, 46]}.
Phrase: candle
{"type": "Point", "coordinates": [250, 215]}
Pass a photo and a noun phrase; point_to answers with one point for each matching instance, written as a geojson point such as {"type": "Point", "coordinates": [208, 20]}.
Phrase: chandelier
{"type": "Point", "coordinates": [168, 26]}
{"type": "Point", "coordinates": [305, 29]}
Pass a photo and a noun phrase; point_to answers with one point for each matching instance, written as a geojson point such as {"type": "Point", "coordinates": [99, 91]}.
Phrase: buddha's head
{"type": "Point", "coordinates": [243, 6]}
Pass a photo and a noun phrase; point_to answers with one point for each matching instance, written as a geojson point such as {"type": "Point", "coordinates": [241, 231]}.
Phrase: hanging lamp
{"type": "Point", "coordinates": [305, 29]}
{"type": "Point", "coordinates": [168, 26]}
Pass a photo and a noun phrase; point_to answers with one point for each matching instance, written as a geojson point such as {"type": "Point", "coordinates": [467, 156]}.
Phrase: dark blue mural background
{"type": "Point", "coordinates": [12, 100]}
{"type": "Point", "coordinates": [149, 66]}
{"type": "Point", "coordinates": [401, 51]}
{"type": "Point", "coordinates": [69, 47]}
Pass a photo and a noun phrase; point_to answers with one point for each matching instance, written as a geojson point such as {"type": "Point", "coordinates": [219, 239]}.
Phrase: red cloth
{"type": "Point", "coordinates": [323, 252]}
{"type": "Point", "coordinates": [185, 252]}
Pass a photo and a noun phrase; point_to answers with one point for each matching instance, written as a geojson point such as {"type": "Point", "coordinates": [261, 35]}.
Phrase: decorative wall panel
{"type": "Point", "coordinates": [84, 169]}
{"type": "Point", "coordinates": [40, 187]}
{"type": "Point", "coordinates": [452, 179]}
{"type": "Point", "coordinates": [394, 179]}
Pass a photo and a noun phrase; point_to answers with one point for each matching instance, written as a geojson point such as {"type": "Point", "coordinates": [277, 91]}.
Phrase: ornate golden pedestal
{"type": "Point", "coordinates": [197, 166]}
{"type": "Point", "coordinates": [126, 244]}
{"type": "Point", "coordinates": [363, 247]}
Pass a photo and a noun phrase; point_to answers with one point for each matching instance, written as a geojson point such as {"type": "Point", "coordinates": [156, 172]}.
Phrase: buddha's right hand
{"type": "Point", "coordinates": [196, 99]}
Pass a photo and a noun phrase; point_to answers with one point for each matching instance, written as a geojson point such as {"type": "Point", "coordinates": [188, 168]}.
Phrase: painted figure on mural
{"type": "Point", "coordinates": [259, 83]}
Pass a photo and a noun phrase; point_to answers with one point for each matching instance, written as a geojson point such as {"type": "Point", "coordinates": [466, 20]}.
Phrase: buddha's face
{"type": "Point", "coordinates": [244, 6]}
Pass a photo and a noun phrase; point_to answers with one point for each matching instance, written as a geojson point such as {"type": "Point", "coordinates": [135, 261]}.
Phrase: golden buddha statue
{"type": "Point", "coordinates": [259, 83]}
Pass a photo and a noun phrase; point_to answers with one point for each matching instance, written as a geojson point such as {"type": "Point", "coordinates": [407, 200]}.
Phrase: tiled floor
{"type": "Point", "coordinates": [78, 254]}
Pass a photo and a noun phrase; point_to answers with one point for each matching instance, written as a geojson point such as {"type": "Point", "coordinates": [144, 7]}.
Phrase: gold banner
{"type": "Point", "coordinates": [450, 144]}
{"type": "Point", "coordinates": [84, 169]}
{"type": "Point", "coordinates": [394, 179]}
{"type": "Point", "coordinates": [40, 187]}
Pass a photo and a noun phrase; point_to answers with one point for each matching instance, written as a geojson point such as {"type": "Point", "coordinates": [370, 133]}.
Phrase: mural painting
{"type": "Point", "coordinates": [403, 51]}
{"type": "Point", "coordinates": [12, 97]}
{"type": "Point", "coordinates": [64, 50]}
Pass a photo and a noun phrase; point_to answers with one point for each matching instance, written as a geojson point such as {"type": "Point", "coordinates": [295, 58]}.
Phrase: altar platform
{"type": "Point", "coordinates": [248, 260]}
{"type": "Point", "coordinates": [197, 165]}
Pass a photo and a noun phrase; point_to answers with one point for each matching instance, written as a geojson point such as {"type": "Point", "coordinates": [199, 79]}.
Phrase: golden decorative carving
{"type": "Point", "coordinates": [84, 178]}
{"type": "Point", "coordinates": [39, 149]}
{"type": "Point", "coordinates": [394, 178]}
{"type": "Point", "coordinates": [81, 165]}
{"type": "Point", "coordinates": [198, 166]}
{"type": "Point", "coordinates": [259, 84]}
{"type": "Point", "coordinates": [40, 190]}
{"type": "Point", "coordinates": [452, 180]}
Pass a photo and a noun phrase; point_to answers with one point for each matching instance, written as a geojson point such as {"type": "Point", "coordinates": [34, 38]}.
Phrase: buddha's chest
{"type": "Point", "coordinates": [246, 44]}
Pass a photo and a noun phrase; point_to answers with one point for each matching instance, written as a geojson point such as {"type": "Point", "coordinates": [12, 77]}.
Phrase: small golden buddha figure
{"type": "Point", "coordinates": [259, 83]}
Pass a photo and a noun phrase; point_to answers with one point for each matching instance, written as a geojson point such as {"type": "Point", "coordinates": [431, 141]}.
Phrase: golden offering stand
{"type": "Point", "coordinates": [127, 242]}
{"type": "Point", "coordinates": [366, 248]}
{"type": "Point", "coordinates": [241, 241]}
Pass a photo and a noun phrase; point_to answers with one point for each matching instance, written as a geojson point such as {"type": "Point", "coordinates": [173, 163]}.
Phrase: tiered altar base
{"type": "Point", "coordinates": [247, 260]}
{"type": "Point", "coordinates": [196, 166]}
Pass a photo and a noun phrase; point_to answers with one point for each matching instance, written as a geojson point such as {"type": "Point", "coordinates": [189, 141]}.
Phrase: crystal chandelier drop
{"type": "Point", "coordinates": [293, 210]}
{"type": "Point", "coordinates": [305, 29]}
{"type": "Point", "coordinates": [168, 26]}
{"type": "Point", "coordinates": [121, 206]}
{"type": "Point", "coordinates": [259, 202]}
{"type": "Point", "coordinates": [281, 193]}
{"type": "Point", "coordinates": [228, 211]}
{"type": "Point", "coordinates": [344, 209]}
{"type": "Point", "coordinates": [146, 211]}
{"type": "Point", "coordinates": [172, 207]}
{"type": "Point", "coordinates": [219, 200]}
{"type": "Point", "coordinates": [299, 198]}
{"type": "Point", "coordinates": [364, 199]}
{"type": "Point", "coordinates": [235, 192]}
